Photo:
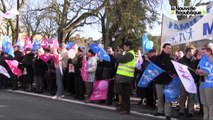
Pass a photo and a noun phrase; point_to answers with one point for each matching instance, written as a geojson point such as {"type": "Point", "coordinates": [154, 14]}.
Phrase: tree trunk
{"type": "Point", "coordinates": [60, 35]}
{"type": "Point", "coordinates": [13, 30]}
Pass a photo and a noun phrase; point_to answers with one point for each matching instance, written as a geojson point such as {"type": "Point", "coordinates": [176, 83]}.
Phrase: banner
{"type": "Point", "coordinates": [150, 73]}
{"type": "Point", "coordinates": [4, 71]}
{"type": "Point", "coordinates": [100, 90]}
{"type": "Point", "coordinates": [206, 65]}
{"type": "Point", "coordinates": [188, 30]}
{"type": "Point", "coordinates": [185, 77]}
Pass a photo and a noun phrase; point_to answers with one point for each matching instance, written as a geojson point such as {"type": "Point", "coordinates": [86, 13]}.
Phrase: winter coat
{"type": "Point", "coordinates": [91, 68]}
{"type": "Point", "coordinates": [164, 62]}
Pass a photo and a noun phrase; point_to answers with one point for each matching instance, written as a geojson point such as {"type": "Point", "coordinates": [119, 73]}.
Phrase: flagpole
{"type": "Point", "coordinates": [191, 69]}
{"type": "Point", "coordinates": [161, 32]}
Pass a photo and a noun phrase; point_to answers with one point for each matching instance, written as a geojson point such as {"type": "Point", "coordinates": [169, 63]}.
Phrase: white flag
{"type": "Point", "coordinates": [139, 60]}
{"type": "Point", "coordinates": [4, 71]}
{"type": "Point", "coordinates": [185, 77]}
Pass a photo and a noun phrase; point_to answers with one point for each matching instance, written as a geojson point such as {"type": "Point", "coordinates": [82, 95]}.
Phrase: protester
{"type": "Point", "coordinates": [108, 74]}
{"type": "Point", "coordinates": [150, 90]}
{"type": "Point", "coordinates": [64, 61]}
{"type": "Point", "coordinates": [125, 74]}
{"type": "Point", "coordinates": [59, 75]}
{"type": "Point", "coordinates": [70, 77]}
{"type": "Point", "coordinates": [50, 76]}
{"type": "Point", "coordinates": [188, 60]}
{"type": "Point", "coordinates": [206, 94]}
{"type": "Point", "coordinates": [40, 70]}
{"type": "Point", "coordinates": [91, 68]}
{"type": "Point", "coordinates": [28, 69]}
{"type": "Point", "coordinates": [79, 83]}
{"type": "Point", "coordinates": [164, 62]}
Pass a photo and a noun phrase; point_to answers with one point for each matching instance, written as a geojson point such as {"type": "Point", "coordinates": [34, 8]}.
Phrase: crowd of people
{"type": "Point", "coordinates": [64, 74]}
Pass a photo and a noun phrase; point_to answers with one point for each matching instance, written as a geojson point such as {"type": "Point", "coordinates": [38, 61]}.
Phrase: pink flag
{"type": "Point", "coordinates": [100, 90]}
{"type": "Point", "coordinates": [13, 64]}
{"type": "Point", "coordinates": [55, 43]}
{"type": "Point", "coordinates": [44, 43]}
{"type": "Point", "coordinates": [84, 73]}
{"type": "Point", "coordinates": [45, 57]}
{"type": "Point", "coordinates": [56, 58]}
{"type": "Point", "coordinates": [27, 42]}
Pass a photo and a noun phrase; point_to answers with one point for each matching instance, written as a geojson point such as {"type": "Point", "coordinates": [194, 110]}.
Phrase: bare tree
{"type": "Point", "coordinates": [6, 5]}
{"type": "Point", "coordinates": [70, 15]}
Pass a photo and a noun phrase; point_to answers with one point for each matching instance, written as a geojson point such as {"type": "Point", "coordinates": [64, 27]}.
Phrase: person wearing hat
{"type": "Point", "coordinates": [124, 75]}
{"type": "Point", "coordinates": [79, 83]}
{"type": "Point", "coordinates": [91, 68]}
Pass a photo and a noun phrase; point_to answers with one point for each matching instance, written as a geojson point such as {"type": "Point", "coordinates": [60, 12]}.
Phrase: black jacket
{"type": "Point", "coordinates": [109, 67]}
{"type": "Point", "coordinates": [40, 67]}
{"type": "Point", "coordinates": [78, 64]}
{"type": "Point", "coordinates": [28, 63]}
{"type": "Point", "coordinates": [18, 55]}
{"type": "Point", "coordinates": [164, 62]}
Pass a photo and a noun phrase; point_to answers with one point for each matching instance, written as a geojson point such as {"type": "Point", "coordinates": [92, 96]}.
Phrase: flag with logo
{"type": "Point", "coordinates": [185, 77]}
{"type": "Point", "coordinates": [13, 65]}
{"type": "Point", "coordinates": [150, 73]}
{"type": "Point", "coordinates": [100, 90]}
{"type": "Point", "coordinates": [172, 90]}
{"type": "Point", "coordinates": [206, 65]}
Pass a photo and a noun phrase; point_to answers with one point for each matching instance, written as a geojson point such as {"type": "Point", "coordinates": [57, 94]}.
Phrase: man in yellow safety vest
{"type": "Point", "coordinates": [124, 76]}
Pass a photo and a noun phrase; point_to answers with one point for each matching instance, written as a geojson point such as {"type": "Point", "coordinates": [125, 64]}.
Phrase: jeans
{"type": "Point", "coordinates": [59, 83]}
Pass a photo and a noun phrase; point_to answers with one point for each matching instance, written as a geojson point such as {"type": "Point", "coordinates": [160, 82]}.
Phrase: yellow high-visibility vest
{"type": "Point", "coordinates": [127, 69]}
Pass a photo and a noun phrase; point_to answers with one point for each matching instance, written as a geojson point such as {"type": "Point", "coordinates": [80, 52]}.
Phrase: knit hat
{"type": "Point", "coordinates": [90, 50]}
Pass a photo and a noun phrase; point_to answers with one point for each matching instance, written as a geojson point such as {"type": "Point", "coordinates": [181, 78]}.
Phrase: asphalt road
{"type": "Point", "coordinates": [19, 106]}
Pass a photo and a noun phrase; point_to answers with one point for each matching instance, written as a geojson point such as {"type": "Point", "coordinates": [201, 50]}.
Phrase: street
{"type": "Point", "coordinates": [19, 106]}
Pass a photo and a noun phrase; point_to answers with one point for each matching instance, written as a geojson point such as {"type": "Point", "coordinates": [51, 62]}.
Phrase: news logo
{"type": "Point", "coordinates": [188, 10]}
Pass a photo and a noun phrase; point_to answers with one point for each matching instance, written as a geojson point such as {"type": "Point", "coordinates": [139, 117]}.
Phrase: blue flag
{"type": "Point", "coordinates": [104, 55]}
{"type": "Point", "coordinates": [70, 45]}
{"type": "Point", "coordinates": [5, 40]}
{"type": "Point", "coordinates": [150, 73]}
{"type": "Point", "coordinates": [95, 48]}
{"type": "Point", "coordinates": [172, 90]}
{"type": "Point", "coordinates": [8, 48]}
{"type": "Point", "coordinates": [36, 45]}
{"type": "Point", "coordinates": [18, 43]}
{"type": "Point", "coordinates": [206, 65]}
